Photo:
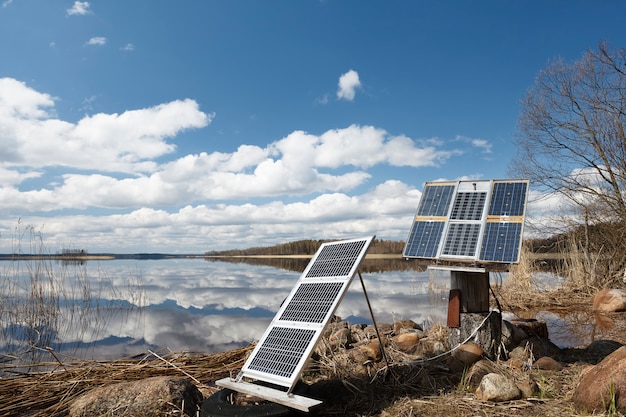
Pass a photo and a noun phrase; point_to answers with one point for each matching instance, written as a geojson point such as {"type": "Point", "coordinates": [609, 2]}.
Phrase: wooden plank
{"type": "Point", "coordinates": [281, 397]}
{"type": "Point", "coordinates": [454, 308]}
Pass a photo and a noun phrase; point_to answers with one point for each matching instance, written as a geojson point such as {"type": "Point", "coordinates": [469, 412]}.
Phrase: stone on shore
{"type": "Point", "coordinates": [610, 300]}
{"type": "Point", "coordinates": [603, 384]}
{"type": "Point", "coordinates": [496, 387]}
{"type": "Point", "coordinates": [150, 397]}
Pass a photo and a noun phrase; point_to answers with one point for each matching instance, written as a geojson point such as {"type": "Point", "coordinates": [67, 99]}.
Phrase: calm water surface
{"type": "Point", "coordinates": [127, 307]}
{"type": "Point", "coordinates": [120, 308]}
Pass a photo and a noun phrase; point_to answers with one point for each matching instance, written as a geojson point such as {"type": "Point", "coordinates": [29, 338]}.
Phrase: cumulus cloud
{"type": "Point", "coordinates": [97, 40]}
{"type": "Point", "coordinates": [79, 8]}
{"type": "Point", "coordinates": [125, 166]}
{"type": "Point", "coordinates": [348, 84]}
{"type": "Point", "coordinates": [386, 210]}
{"type": "Point", "coordinates": [126, 142]}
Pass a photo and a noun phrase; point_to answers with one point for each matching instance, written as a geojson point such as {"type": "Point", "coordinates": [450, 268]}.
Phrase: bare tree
{"type": "Point", "coordinates": [571, 136]}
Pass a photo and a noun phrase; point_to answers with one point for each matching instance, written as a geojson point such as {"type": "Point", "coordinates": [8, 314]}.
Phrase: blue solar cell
{"type": "Point", "coordinates": [501, 242]}
{"type": "Point", "coordinates": [508, 199]}
{"type": "Point", "coordinates": [435, 200]}
{"type": "Point", "coordinates": [461, 239]}
{"type": "Point", "coordinates": [468, 206]}
{"type": "Point", "coordinates": [424, 239]}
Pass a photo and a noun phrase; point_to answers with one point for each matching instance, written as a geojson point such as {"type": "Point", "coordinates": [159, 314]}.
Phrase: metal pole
{"type": "Point", "coordinates": [382, 347]}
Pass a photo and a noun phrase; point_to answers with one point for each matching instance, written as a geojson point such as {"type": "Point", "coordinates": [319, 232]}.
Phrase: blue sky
{"type": "Point", "coordinates": [162, 126]}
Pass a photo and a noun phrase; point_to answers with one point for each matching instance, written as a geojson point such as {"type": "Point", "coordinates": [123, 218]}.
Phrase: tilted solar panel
{"type": "Point", "coordinates": [424, 239]}
{"type": "Point", "coordinates": [425, 236]}
{"type": "Point", "coordinates": [468, 206]}
{"type": "Point", "coordinates": [508, 198]}
{"type": "Point", "coordinates": [283, 350]}
{"type": "Point", "coordinates": [436, 199]}
{"type": "Point", "coordinates": [501, 242]}
{"type": "Point", "coordinates": [462, 240]}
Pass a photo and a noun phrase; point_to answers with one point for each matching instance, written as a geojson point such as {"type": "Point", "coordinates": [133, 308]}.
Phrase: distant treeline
{"type": "Point", "coordinates": [308, 247]}
{"type": "Point", "coordinates": [299, 264]}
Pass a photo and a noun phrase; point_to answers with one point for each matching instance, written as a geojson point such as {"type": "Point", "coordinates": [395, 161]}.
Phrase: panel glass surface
{"type": "Point", "coordinates": [461, 239]}
{"type": "Point", "coordinates": [424, 239]}
{"type": "Point", "coordinates": [311, 302]}
{"type": "Point", "coordinates": [468, 206]}
{"type": "Point", "coordinates": [435, 200]}
{"type": "Point", "coordinates": [281, 351]}
{"type": "Point", "coordinates": [335, 260]}
{"type": "Point", "coordinates": [508, 199]}
{"type": "Point", "coordinates": [501, 242]}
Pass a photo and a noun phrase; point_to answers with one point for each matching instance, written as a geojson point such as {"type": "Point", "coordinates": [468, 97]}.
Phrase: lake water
{"type": "Point", "coordinates": [119, 308]}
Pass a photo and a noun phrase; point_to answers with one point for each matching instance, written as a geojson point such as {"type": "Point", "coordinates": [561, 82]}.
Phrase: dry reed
{"type": "Point", "coordinates": [48, 388]}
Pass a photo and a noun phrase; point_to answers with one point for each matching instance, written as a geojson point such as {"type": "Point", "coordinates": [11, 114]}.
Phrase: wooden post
{"type": "Point", "coordinates": [472, 288]}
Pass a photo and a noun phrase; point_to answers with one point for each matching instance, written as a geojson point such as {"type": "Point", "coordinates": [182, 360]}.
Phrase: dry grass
{"type": "Point", "coordinates": [524, 289]}
{"type": "Point", "coordinates": [49, 388]}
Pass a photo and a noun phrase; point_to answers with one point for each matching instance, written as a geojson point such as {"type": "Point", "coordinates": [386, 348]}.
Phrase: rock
{"type": "Point", "coordinates": [600, 349]}
{"type": "Point", "coordinates": [520, 354]}
{"type": "Point", "coordinates": [406, 342]}
{"type": "Point", "coordinates": [372, 351]}
{"type": "Point", "coordinates": [468, 353]}
{"type": "Point", "coordinates": [511, 334]}
{"type": "Point", "coordinates": [341, 337]}
{"type": "Point", "coordinates": [532, 327]}
{"type": "Point", "coordinates": [497, 387]}
{"type": "Point", "coordinates": [603, 385]}
{"type": "Point", "coordinates": [610, 300]}
{"type": "Point", "coordinates": [603, 321]}
{"type": "Point", "coordinates": [402, 325]}
{"type": "Point", "coordinates": [151, 397]}
{"type": "Point", "coordinates": [547, 363]}
{"type": "Point", "coordinates": [527, 387]}
{"type": "Point", "coordinates": [478, 371]}
{"type": "Point", "coordinates": [539, 347]}
{"type": "Point", "coordinates": [384, 329]}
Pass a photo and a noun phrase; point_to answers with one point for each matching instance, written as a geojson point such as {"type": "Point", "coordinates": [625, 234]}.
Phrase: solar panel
{"type": "Point", "coordinates": [477, 221]}
{"type": "Point", "coordinates": [501, 242]}
{"type": "Point", "coordinates": [424, 239]}
{"type": "Point", "coordinates": [283, 350]}
{"type": "Point", "coordinates": [509, 198]}
{"type": "Point", "coordinates": [436, 199]}
{"type": "Point", "coordinates": [461, 240]}
{"type": "Point", "coordinates": [468, 206]}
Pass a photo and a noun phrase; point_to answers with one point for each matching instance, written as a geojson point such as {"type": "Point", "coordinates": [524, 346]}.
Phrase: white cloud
{"type": "Point", "coordinates": [118, 162]}
{"type": "Point", "coordinates": [386, 210]}
{"type": "Point", "coordinates": [483, 144]}
{"type": "Point", "coordinates": [6, 3]}
{"type": "Point", "coordinates": [126, 142]}
{"type": "Point", "coordinates": [128, 47]}
{"type": "Point", "coordinates": [79, 8]}
{"type": "Point", "coordinates": [348, 83]}
{"type": "Point", "coordinates": [97, 40]}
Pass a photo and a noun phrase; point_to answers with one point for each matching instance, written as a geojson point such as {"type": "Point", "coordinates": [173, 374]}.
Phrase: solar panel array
{"type": "Point", "coordinates": [288, 342]}
{"type": "Point", "coordinates": [475, 221]}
